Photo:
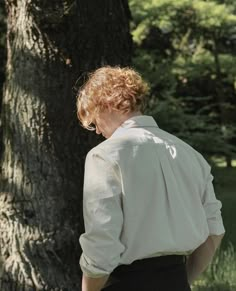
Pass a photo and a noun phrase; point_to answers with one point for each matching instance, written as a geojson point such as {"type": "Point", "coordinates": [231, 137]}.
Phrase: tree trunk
{"type": "Point", "coordinates": [50, 44]}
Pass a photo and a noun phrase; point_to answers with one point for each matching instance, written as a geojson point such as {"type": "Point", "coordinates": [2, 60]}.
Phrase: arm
{"type": "Point", "coordinates": [103, 218]}
{"type": "Point", "coordinates": [93, 284]}
{"type": "Point", "coordinates": [202, 256]}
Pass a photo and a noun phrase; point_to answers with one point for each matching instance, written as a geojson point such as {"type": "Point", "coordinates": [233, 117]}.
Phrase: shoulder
{"type": "Point", "coordinates": [113, 149]}
{"type": "Point", "coordinates": [102, 152]}
{"type": "Point", "coordinates": [187, 151]}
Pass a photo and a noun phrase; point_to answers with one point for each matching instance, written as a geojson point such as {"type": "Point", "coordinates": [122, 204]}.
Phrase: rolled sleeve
{"type": "Point", "coordinates": [103, 217]}
{"type": "Point", "coordinates": [212, 208]}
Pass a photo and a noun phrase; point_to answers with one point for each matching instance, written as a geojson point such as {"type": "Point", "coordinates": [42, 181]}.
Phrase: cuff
{"type": "Point", "coordinates": [90, 270]}
{"type": "Point", "coordinates": [216, 227]}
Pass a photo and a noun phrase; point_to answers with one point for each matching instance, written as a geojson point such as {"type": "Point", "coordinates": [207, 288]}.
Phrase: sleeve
{"type": "Point", "coordinates": [212, 208]}
{"type": "Point", "coordinates": [103, 217]}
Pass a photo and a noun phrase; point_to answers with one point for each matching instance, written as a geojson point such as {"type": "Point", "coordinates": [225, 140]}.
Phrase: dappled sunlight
{"type": "Point", "coordinates": [171, 148]}
{"type": "Point", "coordinates": [220, 161]}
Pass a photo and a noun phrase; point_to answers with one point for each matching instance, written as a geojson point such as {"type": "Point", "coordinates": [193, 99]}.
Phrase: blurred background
{"type": "Point", "coordinates": [186, 50]}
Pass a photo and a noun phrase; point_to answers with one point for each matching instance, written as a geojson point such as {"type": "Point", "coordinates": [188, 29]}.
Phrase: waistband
{"type": "Point", "coordinates": [149, 263]}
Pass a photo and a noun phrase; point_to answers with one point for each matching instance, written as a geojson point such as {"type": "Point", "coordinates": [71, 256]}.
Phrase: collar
{"type": "Point", "coordinates": [135, 122]}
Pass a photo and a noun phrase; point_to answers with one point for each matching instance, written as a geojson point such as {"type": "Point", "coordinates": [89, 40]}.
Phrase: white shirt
{"type": "Point", "coordinates": [146, 193]}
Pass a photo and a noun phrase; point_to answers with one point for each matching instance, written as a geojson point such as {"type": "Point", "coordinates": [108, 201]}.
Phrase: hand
{"type": "Point", "coordinates": [202, 256]}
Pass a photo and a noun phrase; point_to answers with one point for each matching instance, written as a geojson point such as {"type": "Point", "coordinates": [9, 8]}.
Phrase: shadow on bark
{"type": "Point", "coordinates": [41, 187]}
{"type": "Point", "coordinates": [44, 146]}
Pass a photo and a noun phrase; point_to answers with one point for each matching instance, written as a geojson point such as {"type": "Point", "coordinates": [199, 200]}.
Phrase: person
{"type": "Point", "coordinates": [152, 220]}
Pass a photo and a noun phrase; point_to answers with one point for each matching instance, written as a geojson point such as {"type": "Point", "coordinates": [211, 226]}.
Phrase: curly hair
{"type": "Point", "coordinates": [116, 88]}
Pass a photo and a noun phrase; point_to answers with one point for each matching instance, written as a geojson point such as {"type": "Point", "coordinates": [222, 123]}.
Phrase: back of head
{"type": "Point", "coordinates": [115, 88]}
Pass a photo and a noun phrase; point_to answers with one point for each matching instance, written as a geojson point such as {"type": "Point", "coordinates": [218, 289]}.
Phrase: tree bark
{"type": "Point", "coordinates": [50, 44]}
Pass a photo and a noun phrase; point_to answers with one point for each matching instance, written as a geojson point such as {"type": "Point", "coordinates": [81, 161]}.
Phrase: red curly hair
{"type": "Point", "coordinates": [116, 88]}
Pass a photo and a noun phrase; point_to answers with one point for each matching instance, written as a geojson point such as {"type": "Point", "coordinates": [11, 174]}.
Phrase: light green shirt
{"type": "Point", "coordinates": [146, 193]}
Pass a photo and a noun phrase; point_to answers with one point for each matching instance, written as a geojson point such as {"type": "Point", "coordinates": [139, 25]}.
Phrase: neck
{"type": "Point", "coordinates": [126, 116]}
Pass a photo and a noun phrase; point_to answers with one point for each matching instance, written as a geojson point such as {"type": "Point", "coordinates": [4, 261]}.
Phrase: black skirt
{"type": "Point", "coordinates": [165, 273]}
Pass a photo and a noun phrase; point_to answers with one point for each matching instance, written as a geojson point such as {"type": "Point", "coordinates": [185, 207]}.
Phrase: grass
{"type": "Point", "coordinates": [221, 274]}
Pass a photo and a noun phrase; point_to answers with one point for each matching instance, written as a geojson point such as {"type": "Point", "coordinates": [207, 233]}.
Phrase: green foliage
{"type": "Point", "coordinates": [221, 274]}
{"type": "Point", "coordinates": [186, 51]}
{"type": "Point", "coordinates": [179, 15]}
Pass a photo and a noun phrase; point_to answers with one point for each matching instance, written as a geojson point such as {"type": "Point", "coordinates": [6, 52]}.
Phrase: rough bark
{"type": "Point", "coordinates": [50, 44]}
